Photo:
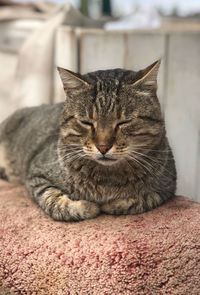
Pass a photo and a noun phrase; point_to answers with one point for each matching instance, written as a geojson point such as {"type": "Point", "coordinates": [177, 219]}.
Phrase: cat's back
{"type": "Point", "coordinates": [30, 119]}
{"type": "Point", "coordinates": [26, 132]}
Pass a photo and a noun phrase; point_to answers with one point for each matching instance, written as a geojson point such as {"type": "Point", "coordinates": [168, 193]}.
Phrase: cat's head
{"type": "Point", "coordinates": [111, 115]}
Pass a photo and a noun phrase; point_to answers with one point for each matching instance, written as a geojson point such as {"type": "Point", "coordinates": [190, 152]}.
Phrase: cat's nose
{"type": "Point", "coordinates": [103, 148]}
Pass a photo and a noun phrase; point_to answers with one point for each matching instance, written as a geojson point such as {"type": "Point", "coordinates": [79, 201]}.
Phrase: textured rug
{"type": "Point", "coordinates": [153, 253]}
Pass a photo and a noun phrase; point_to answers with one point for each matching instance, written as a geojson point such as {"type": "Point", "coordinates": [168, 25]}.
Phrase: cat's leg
{"type": "Point", "coordinates": [59, 206]}
{"type": "Point", "coordinates": [134, 205]}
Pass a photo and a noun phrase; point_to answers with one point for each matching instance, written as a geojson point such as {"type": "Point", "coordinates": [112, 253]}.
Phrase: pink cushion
{"type": "Point", "coordinates": [153, 253]}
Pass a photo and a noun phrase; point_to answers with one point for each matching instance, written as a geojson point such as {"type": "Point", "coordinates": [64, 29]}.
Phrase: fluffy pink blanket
{"type": "Point", "coordinates": [153, 253]}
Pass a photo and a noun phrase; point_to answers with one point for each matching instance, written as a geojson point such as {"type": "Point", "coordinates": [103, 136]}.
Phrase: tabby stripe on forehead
{"type": "Point", "coordinates": [102, 101]}
{"type": "Point", "coordinates": [112, 105]}
{"type": "Point", "coordinates": [99, 86]}
{"type": "Point", "coordinates": [118, 87]}
{"type": "Point", "coordinates": [97, 106]}
{"type": "Point", "coordinates": [109, 104]}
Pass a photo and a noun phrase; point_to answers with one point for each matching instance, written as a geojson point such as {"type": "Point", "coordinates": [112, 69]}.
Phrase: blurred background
{"type": "Point", "coordinates": [88, 35]}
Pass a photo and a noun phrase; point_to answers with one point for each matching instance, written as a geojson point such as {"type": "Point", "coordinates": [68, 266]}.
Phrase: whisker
{"type": "Point", "coordinates": [159, 175]}
{"type": "Point", "coordinates": [148, 157]}
{"type": "Point", "coordinates": [133, 168]}
{"type": "Point", "coordinates": [70, 155]}
{"type": "Point", "coordinates": [161, 165]}
{"type": "Point", "coordinates": [75, 158]}
{"type": "Point", "coordinates": [137, 160]}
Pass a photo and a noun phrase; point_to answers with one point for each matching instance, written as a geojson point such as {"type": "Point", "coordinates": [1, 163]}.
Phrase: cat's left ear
{"type": "Point", "coordinates": [72, 82]}
{"type": "Point", "coordinates": [148, 76]}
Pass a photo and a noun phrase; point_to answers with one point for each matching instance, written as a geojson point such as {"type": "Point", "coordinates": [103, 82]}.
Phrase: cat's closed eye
{"type": "Point", "coordinates": [122, 123]}
{"type": "Point", "coordinates": [87, 123]}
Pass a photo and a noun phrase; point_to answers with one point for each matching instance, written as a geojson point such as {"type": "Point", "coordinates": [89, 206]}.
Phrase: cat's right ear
{"type": "Point", "coordinates": [72, 82]}
{"type": "Point", "coordinates": [148, 76]}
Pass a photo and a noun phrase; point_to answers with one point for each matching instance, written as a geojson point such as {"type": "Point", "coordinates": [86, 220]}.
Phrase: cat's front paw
{"type": "Point", "coordinates": [135, 205]}
{"type": "Point", "coordinates": [82, 209]}
{"type": "Point", "coordinates": [118, 207]}
{"type": "Point", "coordinates": [60, 207]}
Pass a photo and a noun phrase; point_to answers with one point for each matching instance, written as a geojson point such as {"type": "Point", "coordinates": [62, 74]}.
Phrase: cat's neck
{"type": "Point", "coordinates": [117, 174]}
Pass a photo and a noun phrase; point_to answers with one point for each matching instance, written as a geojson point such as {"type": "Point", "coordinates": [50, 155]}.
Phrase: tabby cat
{"type": "Point", "coordinates": [103, 150]}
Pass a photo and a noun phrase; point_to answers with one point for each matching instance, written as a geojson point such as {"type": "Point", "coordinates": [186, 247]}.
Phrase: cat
{"type": "Point", "coordinates": [102, 150]}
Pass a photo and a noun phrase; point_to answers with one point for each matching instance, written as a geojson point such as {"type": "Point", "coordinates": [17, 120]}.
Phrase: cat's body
{"type": "Point", "coordinates": [104, 149]}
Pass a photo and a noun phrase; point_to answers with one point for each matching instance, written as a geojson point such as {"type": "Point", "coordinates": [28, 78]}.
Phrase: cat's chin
{"type": "Point", "coordinates": [106, 161]}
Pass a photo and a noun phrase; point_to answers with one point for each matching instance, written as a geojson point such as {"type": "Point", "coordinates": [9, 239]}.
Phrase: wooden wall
{"type": "Point", "coordinates": [12, 35]}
